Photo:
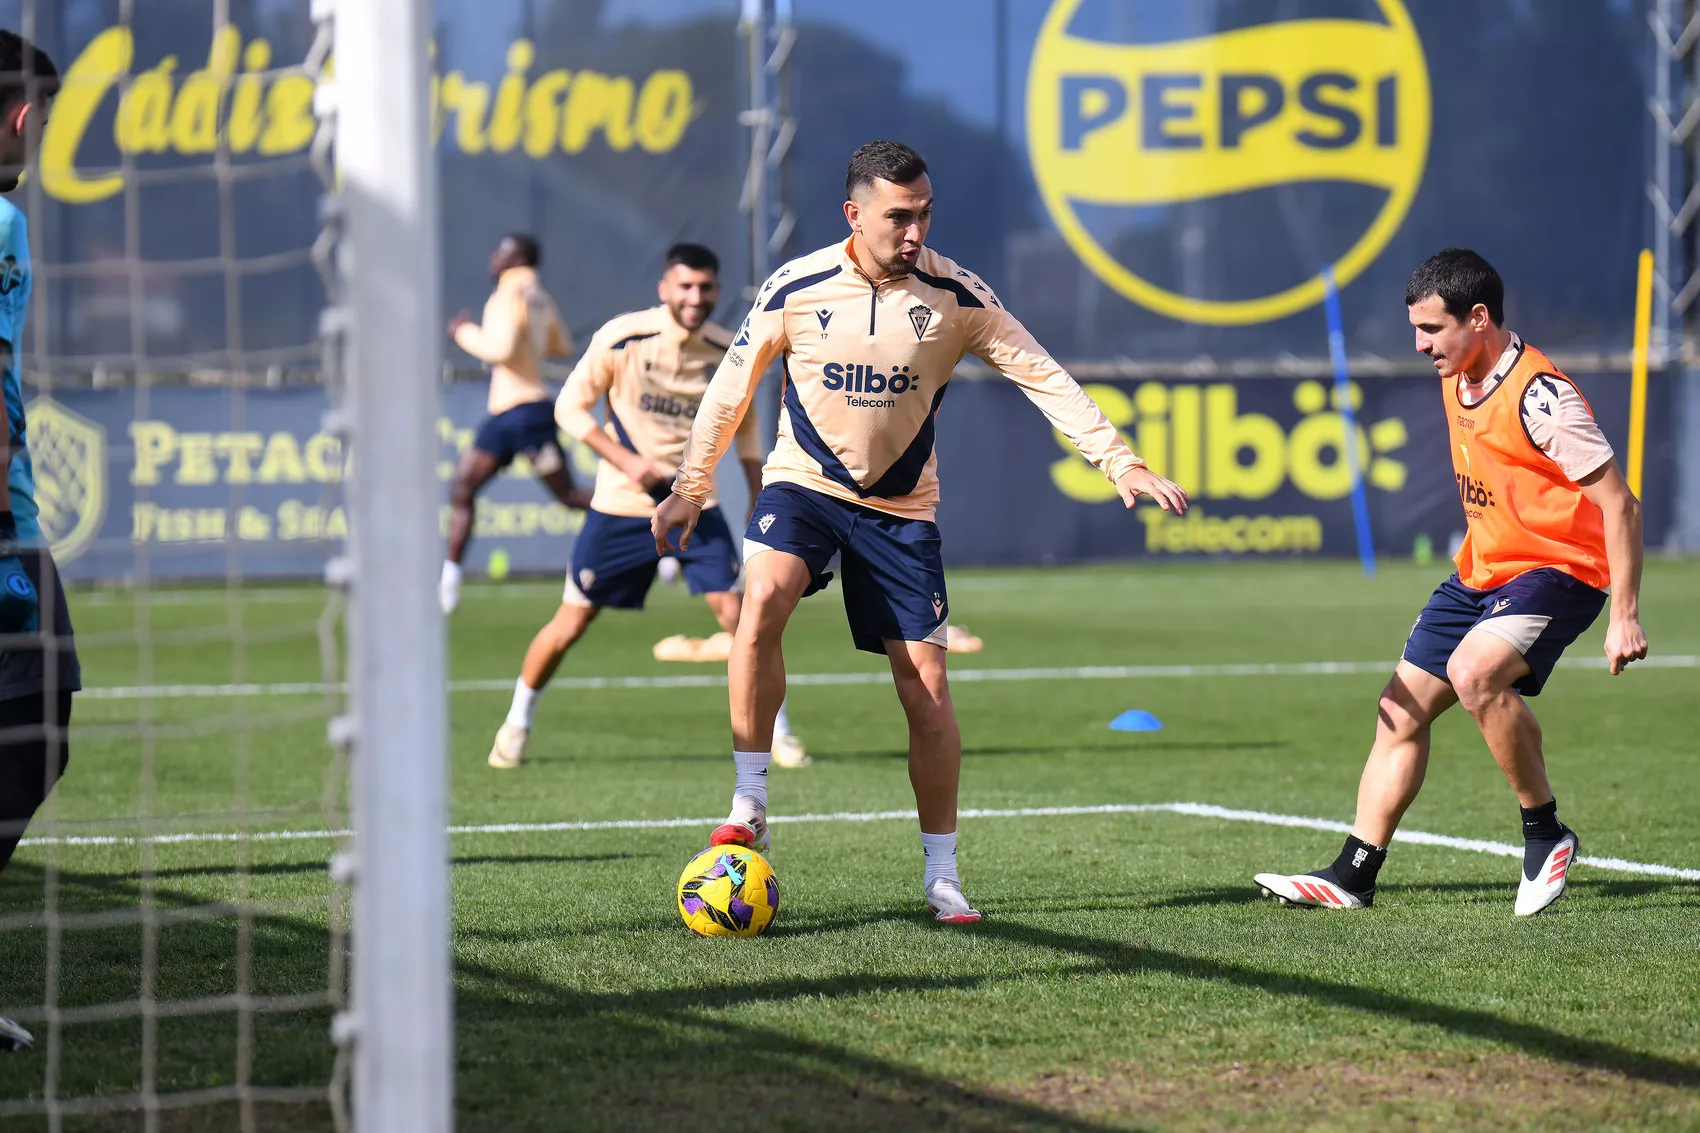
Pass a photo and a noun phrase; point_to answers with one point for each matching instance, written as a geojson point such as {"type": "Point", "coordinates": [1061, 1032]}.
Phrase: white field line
{"type": "Point", "coordinates": [718, 680]}
{"type": "Point", "coordinates": [1194, 810]}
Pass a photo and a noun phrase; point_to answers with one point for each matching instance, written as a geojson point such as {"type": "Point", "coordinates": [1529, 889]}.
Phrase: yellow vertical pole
{"type": "Point", "coordinates": [1638, 370]}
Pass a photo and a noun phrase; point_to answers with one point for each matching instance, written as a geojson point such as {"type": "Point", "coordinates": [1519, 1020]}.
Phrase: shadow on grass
{"type": "Point", "coordinates": [533, 1053]}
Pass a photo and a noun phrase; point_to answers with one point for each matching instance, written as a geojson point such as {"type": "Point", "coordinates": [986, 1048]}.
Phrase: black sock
{"type": "Point", "coordinates": [1355, 869]}
{"type": "Point", "coordinates": [1541, 831]}
{"type": "Point", "coordinates": [1541, 824]}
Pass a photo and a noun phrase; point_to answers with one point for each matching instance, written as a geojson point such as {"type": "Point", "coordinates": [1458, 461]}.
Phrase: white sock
{"type": "Point", "coordinates": [782, 722]}
{"type": "Point", "coordinates": [524, 705]}
{"type": "Point", "coordinates": [451, 574]}
{"type": "Point", "coordinates": [941, 857]}
{"type": "Point", "coordinates": [751, 788]}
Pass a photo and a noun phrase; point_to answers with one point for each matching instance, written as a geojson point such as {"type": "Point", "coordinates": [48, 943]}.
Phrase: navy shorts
{"type": "Point", "coordinates": [614, 560]}
{"type": "Point", "coordinates": [1540, 613]}
{"type": "Point", "coordinates": [528, 428]}
{"type": "Point", "coordinates": [893, 567]}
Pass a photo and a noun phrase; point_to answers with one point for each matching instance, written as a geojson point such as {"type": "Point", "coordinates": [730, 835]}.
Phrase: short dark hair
{"type": "Point", "coordinates": [25, 71]}
{"type": "Point", "coordinates": [525, 247]}
{"type": "Point", "coordinates": [697, 257]}
{"type": "Point", "coordinates": [1462, 279]}
{"type": "Point", "coordinates": [882, 161]}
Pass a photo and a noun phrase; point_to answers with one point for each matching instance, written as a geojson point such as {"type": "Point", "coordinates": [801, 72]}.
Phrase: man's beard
{"type": "Point", "coordinates": [678, 311]}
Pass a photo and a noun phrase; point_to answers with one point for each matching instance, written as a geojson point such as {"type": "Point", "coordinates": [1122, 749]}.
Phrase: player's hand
{"type": "Point", "coordinates": [1625, 642]}
{"type": "Point", "coordinates": [674, 511]}
{"type": "Point", "coordinates": [462, 318]}
{"type": "Point", "coordinates": [640, 472]}
{"type": "Point", "coordinates": [1169, 495]}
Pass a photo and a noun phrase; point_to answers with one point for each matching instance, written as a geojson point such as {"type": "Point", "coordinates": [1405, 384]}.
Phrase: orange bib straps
{"type": "Point", "coordinates": [1523, 513]}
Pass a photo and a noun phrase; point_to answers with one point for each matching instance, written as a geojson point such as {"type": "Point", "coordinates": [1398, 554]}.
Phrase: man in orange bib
{"type": "Point", "coordinates": [1551, 525]}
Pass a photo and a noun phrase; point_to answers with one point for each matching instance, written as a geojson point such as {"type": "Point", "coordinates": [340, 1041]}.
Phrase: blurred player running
{"type": "Point", "coordinates": [520, 328]}
{"type": "Point", "coordinates": [868, 332]}
{"type": "Point", "coordinates": [1551, 524]}
{"type": "Point", "coordinates": [652, 366]}
{"type": "Point", "coordinates": [35, 703]}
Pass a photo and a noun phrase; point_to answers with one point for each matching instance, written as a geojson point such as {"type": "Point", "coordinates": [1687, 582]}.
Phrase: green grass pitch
{"type": "Point", "coordinates": [1126, 976]}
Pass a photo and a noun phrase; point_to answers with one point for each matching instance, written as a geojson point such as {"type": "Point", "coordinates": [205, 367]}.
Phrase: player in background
{"type": "Point", "coordinates": [1551, 524]}
{"type": "Point", "coordinates": [520, 328]}
{"type": "Point", "coordinates": [868, 332]}
{"type": "Point", "coordinates": [651, 367]}
{"type": "Point", "coordinates": [38, 655]}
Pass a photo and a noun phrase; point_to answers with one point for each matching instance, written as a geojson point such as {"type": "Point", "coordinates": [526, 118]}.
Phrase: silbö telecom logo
{"type": "Point", "coordinates": [1127, 121]}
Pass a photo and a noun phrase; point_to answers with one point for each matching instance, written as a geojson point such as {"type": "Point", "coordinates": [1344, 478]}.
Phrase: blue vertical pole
{"type": "Point", "coordinates": [1348, 420]}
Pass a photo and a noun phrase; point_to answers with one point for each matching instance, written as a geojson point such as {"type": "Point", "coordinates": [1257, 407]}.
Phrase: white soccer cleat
{"type": "Point", "coordinates": [949, 906]}
{"type": "Point", "coordinates": [1549, 881]}
{"type": "Point", "coordinates": [1308, 889]}
{"type": "Point", "coordinates": [448, 588]}
{"type": "Point", "coordinates": [745, 826]}
{"type": "Point", "coordinates": [508, 752]}
{"type": "Point", "coordinates": [788, 752]}
{"type": "Point", "coordinates": [14, 1037]}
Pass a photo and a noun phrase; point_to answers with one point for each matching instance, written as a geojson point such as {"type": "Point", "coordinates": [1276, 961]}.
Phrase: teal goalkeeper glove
{"type": "Point", "coordinates": [20, 605]}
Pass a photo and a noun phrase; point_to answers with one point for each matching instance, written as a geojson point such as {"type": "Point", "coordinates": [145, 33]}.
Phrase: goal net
{"type": "Point", "coordinates": [206, 925]}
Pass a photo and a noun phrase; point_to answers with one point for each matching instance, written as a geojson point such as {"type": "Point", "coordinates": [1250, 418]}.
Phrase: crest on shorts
{"type": "Point", "coordinates": [938, 606]}
{"type": "Point", "coordinates": [765, 522]}
{"type": "Point", "coordinates": [586, 579]}
{"type": "Point", "coordinates": [68, 452]}
{"type": "Point", "coordinates": [919, 317]}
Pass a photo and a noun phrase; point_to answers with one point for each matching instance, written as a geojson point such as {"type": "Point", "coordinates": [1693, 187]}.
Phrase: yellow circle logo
{"type": "Point", "coordinates": [1126, 124]}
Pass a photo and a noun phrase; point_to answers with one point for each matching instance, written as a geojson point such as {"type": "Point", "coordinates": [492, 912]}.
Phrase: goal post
{"type": "Point", "coordinates": [388, 317]}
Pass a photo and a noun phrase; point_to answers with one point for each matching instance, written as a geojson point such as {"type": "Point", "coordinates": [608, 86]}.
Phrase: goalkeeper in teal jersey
{"type": "Point", "coordinates": [38, 658]}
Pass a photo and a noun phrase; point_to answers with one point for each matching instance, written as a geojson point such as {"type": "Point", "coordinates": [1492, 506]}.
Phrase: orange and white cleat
{"type": "Point", "coordinates": [1553, 874]}
{"type": "Point", "coordinates": [949, 906]}
{"type": "Point", "coordinates": [1309, 889]}
{"type": "Point", "coordinates": [745, 826]}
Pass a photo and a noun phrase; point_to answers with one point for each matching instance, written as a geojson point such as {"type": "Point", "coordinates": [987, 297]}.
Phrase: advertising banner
{"type": "Point", "coordinates": [206, 483]}
{"type": "Point", "coordinates": [1262, 460]}
{"type": "Point", "coordinates": [1160, 181]}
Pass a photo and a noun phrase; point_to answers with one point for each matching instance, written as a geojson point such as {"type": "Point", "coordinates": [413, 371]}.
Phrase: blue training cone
{"type": "Point", "coordinates": [1136, 720]}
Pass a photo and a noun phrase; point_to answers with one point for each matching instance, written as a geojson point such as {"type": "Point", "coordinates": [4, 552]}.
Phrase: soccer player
{"type": "Point", "coordinates": [520, 328]}
{"type": "Point", "coordinates": [868, 332]}
{"type": "Point", "coordinates": [38, 670]}
{"type": "Point", "coordinates": [651, 367]}
{"type": "Point", "coordinates": [1551, 525]}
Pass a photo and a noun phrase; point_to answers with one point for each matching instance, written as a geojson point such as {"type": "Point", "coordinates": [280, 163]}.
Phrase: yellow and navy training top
{"type": "Point", "coordinates": [521, 327]}
{"type": "Point", "coordinates": [653, 373]}
{"type": "Point", "coordinates": [866, 364]}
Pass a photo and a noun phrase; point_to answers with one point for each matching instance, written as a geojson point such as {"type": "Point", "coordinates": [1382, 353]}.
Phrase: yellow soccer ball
{"type": "Point", "coordinates": [728, 891]}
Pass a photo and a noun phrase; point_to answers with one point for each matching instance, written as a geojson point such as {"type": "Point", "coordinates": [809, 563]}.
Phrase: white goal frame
{"type": "Point", "coordinates": [401, 1015]}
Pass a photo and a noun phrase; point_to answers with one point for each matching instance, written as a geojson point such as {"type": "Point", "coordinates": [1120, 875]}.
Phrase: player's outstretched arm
{"type": "Point", "coordinates": [1606, 488]}
{"type": "Point", "coordinates": [999, 338]}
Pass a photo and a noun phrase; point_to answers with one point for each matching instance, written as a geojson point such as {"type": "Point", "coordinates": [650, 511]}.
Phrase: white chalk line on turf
{"type": "Point", "coordinates": [1193, 810]}
{"type": "Point", "coordinates": [876, 677]}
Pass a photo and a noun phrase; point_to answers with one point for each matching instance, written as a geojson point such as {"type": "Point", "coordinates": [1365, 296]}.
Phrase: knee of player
{"type": "Point", "coordinates": [462, 493]}
{"type": "Point", "coordinates": [1475, 683]}
{"type": "Point", "coordinates": [763, 599]}
{"type": "Point", "coordinates": [926, 693]}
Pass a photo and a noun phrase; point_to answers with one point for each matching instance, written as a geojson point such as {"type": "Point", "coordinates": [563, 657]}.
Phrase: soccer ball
{"type": "Point", "coordinates": [728, 891]}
